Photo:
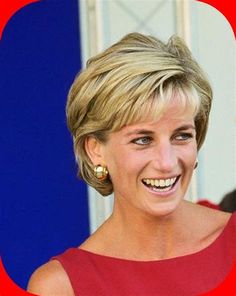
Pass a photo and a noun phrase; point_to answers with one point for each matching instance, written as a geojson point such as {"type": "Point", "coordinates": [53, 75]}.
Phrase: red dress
{"type": "Point", "coordinates": [190, 275]}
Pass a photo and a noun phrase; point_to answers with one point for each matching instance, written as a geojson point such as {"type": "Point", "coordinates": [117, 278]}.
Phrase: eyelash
{"type": "Point", "coordinates": [185, 136]}
{"type": "Point", "coordinates": [180, 137]}
{"type": "Point", "coordinates": [135, 141]}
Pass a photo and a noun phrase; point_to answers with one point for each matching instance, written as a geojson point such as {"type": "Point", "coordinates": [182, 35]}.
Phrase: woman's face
{"type": "Point", "coordinates": [151, 163]}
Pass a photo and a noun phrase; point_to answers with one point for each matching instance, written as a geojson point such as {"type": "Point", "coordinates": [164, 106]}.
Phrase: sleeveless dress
{"type": "Point", "coordinates": [91, 274]}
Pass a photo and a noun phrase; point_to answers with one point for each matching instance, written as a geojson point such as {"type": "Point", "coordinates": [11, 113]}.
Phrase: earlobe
{"type": "Point", "coordinates": [93, 149]}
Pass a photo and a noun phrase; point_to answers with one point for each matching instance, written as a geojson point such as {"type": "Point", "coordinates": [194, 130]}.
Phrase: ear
{"type": "Point", "coordinates": [94, 150]}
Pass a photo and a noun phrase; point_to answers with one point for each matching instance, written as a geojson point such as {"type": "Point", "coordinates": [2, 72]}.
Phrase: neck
{"type": "Point", "coordinates": [144, 237]}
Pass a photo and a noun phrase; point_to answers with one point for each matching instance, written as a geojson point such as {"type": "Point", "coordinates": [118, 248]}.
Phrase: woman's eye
{"type": "Point", "coordinates": [183, 137]}
{"type": "Point", "coordinates": [142, 141]}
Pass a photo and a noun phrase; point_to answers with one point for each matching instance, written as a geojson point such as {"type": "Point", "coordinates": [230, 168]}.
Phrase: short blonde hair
{"type": "Point", "coordinates": [132, 78]}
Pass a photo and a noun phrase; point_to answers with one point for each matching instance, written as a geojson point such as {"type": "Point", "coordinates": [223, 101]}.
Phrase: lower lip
{"type": "Point", "coordinates": [164, 193]}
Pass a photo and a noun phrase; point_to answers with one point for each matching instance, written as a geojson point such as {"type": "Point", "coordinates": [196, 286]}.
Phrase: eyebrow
{"type": "Point", "coordinates": [149, 132]}
{"type": "Point", "coordinates": [185, 127]}
{"type": "Point", "coordinates": [140, 132]}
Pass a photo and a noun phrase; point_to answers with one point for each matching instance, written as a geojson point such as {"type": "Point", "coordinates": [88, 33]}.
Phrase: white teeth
{"type": "Point", "coordinates": [157, 183]}
{"type": "Point", "coordinates": [160, 182]}
{"type": "Point", "coordinates": [161, 190]}
{"type": "Point", "coordinates": [168, 181]}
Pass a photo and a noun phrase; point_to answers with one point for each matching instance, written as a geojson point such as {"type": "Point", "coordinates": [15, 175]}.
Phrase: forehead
{"type": "Point", "coordinates": [177, 111]}
{"type": "Point", "coordinates": [174, 117]}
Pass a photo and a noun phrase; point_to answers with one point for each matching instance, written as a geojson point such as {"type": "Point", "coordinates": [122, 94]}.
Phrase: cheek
{"type": "Point", "coordinates": [190, 155]}
{"type": "Point", "coordinates": [124, 164]}
{"type": "Point", "coordinates": [187, 153]}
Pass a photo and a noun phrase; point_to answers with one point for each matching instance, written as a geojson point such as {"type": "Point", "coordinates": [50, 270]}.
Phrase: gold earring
{"type": "Point", "coordinates": [100, 172]}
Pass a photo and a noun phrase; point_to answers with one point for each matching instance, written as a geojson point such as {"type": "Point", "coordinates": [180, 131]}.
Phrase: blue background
{"type": "Point", "coordinates": [43, 204]}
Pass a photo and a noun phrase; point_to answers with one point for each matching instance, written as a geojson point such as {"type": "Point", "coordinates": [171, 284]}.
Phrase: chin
{"type": "Point", "coordinates": [163, 210]}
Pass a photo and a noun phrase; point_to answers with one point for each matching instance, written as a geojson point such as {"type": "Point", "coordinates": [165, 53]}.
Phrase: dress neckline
{"type": "Point", "coordinates": [204, 251]}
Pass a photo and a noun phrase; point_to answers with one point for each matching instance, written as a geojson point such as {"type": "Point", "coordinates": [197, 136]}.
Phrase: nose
{"type": "Point", "coordinates": [165, 158]}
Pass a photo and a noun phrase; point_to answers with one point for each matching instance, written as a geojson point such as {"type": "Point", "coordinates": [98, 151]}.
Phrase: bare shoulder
{"type": "Point", "coordinates": [217, 217]}
{"type": "Point", "coordinates": [50, 279]}
{"type": "Point", "coordinates": [212, 221]}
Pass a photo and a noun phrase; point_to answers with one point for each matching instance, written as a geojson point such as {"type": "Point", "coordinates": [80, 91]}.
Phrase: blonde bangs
{"type": "Point", "coordinates": [150, 104]}
{"type": "Point", "coordinates": [133, 81]}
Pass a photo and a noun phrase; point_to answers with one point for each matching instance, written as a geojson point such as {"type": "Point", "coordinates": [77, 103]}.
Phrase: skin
{"type": "Point", "coordinates": [145, 224]}
{"type": "Point", "coordinates": [160, 225]}
{"type": "Point", "coordinates": [156, 150]}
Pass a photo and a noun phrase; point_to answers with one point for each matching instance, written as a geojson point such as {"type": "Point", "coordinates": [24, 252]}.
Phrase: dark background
{"type": "Point", "coordinates": [43, 205]}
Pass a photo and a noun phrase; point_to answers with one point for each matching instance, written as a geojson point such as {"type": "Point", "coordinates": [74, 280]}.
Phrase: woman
{"type": "Point", "coordinates": [138, 115]}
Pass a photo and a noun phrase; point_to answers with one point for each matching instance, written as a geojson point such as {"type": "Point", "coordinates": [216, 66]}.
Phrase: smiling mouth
{"type": "Point", "coordinates": [161, 185]}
